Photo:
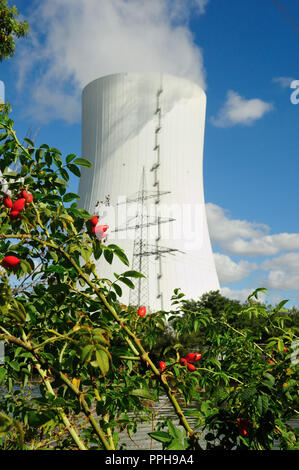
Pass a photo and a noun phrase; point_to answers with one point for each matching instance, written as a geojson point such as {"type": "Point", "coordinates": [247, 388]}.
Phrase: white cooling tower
{"type": "Point", "coordinates": [144, 136]}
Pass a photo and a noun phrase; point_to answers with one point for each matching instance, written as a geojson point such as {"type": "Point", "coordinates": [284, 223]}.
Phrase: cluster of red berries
{"type": "Point", "coordinates": [97, 230]}
{"type": "Point", "coordinates": [184, 361]}
{"type": "Point", "coordinates": [12, 262]}
{"type": "Point", "coordinates": [17, 206]}
{"type": "Point", "coordinates": [189, 359]}
{"type": "Point", "coordinates": [243, 426]}
{"type": "Point", "coordinates": [270, 361]}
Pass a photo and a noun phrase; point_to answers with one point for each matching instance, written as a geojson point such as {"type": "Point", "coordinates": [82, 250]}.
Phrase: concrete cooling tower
{"type": "Point", "coordinates": [144, 136]}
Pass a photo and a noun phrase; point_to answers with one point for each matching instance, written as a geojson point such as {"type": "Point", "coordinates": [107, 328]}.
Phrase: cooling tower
{"type": "Point", "coordinates": [144, 136]}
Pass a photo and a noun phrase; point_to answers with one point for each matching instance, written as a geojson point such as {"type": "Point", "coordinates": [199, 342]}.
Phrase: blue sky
{"type": "Point", "coordinates": [243, 53]}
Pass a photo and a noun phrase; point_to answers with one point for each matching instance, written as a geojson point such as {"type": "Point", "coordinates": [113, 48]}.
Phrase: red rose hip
{"type": "Point", "coordinates": [10, 262]}
{"type": "Point", "coordinates": [14, 215]}
{"type": "Point", "coordinates": [7, 201]}
{"type": "Point", "coordinates": [29, 199]}
{"type": "Point", "coordinates": [197, 356]}
{"type": "Point", "coordinates": [19, 205]}
{"type": "Point", "coordinates": [191, 357]}
{"type": "Point", "coordinates": [191, 367]}
{"type": "Point", "coordinates": [94, 220]}
{"type": "Point", "coordinates": [183, 361]}
{"type": "Point", "coordinates": [141, 311]}
{"type": "Point", "coordinates": [162, 365]}
{"type": "Point", "coordinates": [23, 194]}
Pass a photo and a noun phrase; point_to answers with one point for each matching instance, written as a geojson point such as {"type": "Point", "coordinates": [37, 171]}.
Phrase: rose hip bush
{"type": "Point", "coordinates": [66, 328]}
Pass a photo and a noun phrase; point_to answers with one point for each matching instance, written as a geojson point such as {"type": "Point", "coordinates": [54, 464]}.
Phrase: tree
{"type": "Point", "coordinates": [10, 29]}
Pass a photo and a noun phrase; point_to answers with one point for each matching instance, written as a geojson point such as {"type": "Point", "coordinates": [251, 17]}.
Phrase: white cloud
{"type": "Point", "coordinates": [289, 261]}
{"type": "Point", "coordinates": [224, 229]}
{"type": "Point", "coordinates": [229, 271]}
{"type": "Point", "coordinates": [75, 42]}
{"type": "Point", "coordinates": [243, 238]}
{"type": "Point", "coordinates": [201, 4]}
{"type": "Point", "coordinates": [284, 82]}
{"type": "Point", "coordinates": [238, 110]}
{"type": "Point", "coordinates": [283, 272]}
{"type": "Point", "coordinates": [266, 245]}
{"type": "Point", "coordinates": [282, 280]}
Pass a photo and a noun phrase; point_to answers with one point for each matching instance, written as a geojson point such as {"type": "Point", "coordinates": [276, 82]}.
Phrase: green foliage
{"type": "Point", "coordinates": [10, 28]}
{"type": "Point", "coordinates": [95, 361]}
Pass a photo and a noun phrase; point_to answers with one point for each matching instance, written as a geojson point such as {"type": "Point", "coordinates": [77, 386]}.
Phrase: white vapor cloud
{"type": "Point", "coordinates": [72, 43]}
{"type": "Point", "coordinates": [230, 271]}
{"type": "Point", "coordinates": [238, 110]}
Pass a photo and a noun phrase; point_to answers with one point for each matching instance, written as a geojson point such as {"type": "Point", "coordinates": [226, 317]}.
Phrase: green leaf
{"type": "Point", "coordinates": [68, 197]}
{"type": "Point", "coordinates": [86, 352]}
{"type": "Point", "coordinates": [48, 159]}
{"type": "Point", "coordinates": [82, 213]}
{"type": "Point", "coordinates": [127, 281]}
{"type": "Point", "coordinates": [269, 380]}
{"type": "Point", "coordinates": [262, 404]}
{"type": "Point", "coordinates": [2, 374]}
{"type": "Point", "coordinates": [117, 289]}
{"type": "Point", "coordinates": [86, 253]}
{"type": "Point", "coordinates": [15, 365]}
{"type": "Point", "coordinates": [280, 345]}
{"type": "Point", "coordinates": [74, 169]}
{"type": "Point", "coordinates": [119, 253]}
{"type": "Point", "coordinates": [97, 251]}
{"type": "Point", "coordinates": [53, 255]}
{"type": "Point", "coordinates": [64, 174]}
{"type": "Point", "coordinates": [25, 266]}
{"type": "Point", "coordinates": [57, 160]}
{"type": "Point", "coordinates": [108, 255]}
{"type": "Point", "coordinates": [28, 141]}
{"type": "Point", "coordinates": [247, 394]}
{"type": "Point", "coordinates": [9, 173]}
{"type": "Point", "coordinates": [135, 274]}
{"type": "Point", "coordinates": [103, 361]}
{"type": "Point", "coordinates": [175, 444]}
{"type": "Point", "coordinates": [39, 155]}
{"type": "Point", "coordinates": [160, 436]}
{"type": "Point", "coordinates": [280, 305]}
{"type": "Point", "coordinates": [82, 162]}
{"type": "Point", "coordinates": [173, 430]}
{"type": "Point", "coordinates": [70, 157]}
{"type": "Point", "coordinates": [142, 393]}
{"type": "Point", "coordinates": [255, 293]}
